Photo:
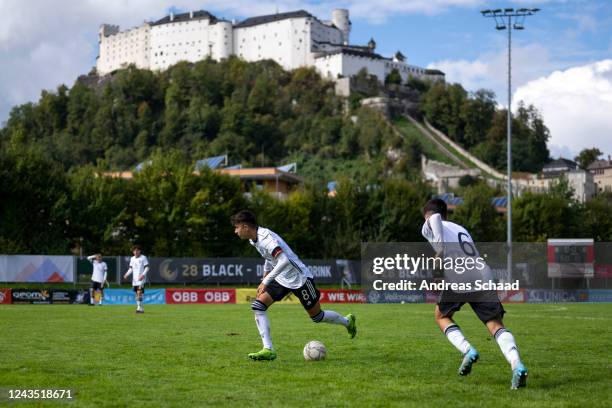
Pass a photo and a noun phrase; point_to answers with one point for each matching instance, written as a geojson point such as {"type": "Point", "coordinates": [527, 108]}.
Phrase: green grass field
{"type": "Point", "coordinates": [196, 356]}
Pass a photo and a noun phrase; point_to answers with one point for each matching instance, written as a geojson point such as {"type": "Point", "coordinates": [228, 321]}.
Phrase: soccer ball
{"type": "Point", "coordinates": [314, 350]}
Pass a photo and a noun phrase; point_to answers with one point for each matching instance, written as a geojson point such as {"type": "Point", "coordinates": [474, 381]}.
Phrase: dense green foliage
{"type": "Point", "coordinates": [196, 355]}
{"type": "Point", "coordinates": [474, 121]}
{"type": "Point", "coordinates": [256, 113]}
{"type": "Point", "coordinates": [174, 212]}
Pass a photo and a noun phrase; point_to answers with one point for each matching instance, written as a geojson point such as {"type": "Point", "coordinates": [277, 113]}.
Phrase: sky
{"type": "Point", "coordinates": [562, 61]}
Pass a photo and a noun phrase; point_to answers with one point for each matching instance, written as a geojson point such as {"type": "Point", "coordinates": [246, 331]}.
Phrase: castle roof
{"type": "Point", "coordinates": [433, 72]}
{"type": "Point", "coordinates": [354, 52]}
{"type": "Point", "coordinates": [561, 163]}
{"type": "Point", "coordinates": [600, 164]}
{"type": "Point", "coordinates": [197, 15]}
{"type": "Point", "coordinates": [270, 18]}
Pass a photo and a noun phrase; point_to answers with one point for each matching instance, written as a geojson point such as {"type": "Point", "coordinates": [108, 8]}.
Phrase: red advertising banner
{"type": "Point", "coordinates": [603, 271]}
{"type": "Point", "coordinates": [5, 296]}
{"type": "Point", "coordinates": [512, 296]}
{"type": "Point", "coordinates": [200, 296]}
{"type": "Point", "coordinates": [342, 296]}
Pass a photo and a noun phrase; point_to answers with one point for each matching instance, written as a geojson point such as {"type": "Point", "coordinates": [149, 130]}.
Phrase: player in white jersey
{"type": "Point", "coordinates": [98, 277]}
{"type": "Point", "coordinates": [139, 267]}
{"type": "Point", "coordinates": [284, 273]}
{"type": "Point", "coordinates": [444, 235]}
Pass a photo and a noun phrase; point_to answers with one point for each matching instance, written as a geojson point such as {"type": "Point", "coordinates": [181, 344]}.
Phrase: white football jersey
{"type": "Point", "coordinates": [99, 270]}
{"type": "Point", "coordinates": [451, 240]}
{"type": "Point", "coordinates": [269, 245]}
{"type": "Point", "coordinates": [138, 268]}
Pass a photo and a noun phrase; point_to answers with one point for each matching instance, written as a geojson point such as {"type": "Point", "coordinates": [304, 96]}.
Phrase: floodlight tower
{"type": "Point", "coordinates": [508, 19]}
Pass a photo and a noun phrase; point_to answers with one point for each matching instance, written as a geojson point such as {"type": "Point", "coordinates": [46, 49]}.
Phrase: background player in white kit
{"type": "Point", "coordinates": [98, 277]}
{"type": "Point", "coordinates": [438, 231]}
{"type": "Point", "coordinates": [139, 266]}
{"type": "Point", "coordinates": [284, 273]}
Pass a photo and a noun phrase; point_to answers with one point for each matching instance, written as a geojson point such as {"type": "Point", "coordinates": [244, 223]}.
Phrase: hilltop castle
{"type": "Point", "coordinates": [294, 39]}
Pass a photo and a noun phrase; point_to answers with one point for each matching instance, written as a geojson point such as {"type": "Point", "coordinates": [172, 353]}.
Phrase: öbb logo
{"type": "Point", "coordinates": [201, 297]}
{"type": "Point", "coordinates": [185, 297]}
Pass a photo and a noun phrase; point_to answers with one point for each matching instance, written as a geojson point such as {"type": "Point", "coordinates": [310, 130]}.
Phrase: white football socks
{"type": "Point", "coordinates": [329, 316]}
{"type": "Point", "coordinates": [455, 336]}
{"type": "Point", "coordinates": [263, 325]}
{"type": "Point", "coordinates": [506, 343]}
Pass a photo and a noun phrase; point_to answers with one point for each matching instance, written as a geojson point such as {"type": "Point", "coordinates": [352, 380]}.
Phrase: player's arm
{"type": "Point", "coordinates": [435, 223]}
{"type": "Point", "coordinates": [282, 262]}
{"type": "Point", "coordinates": [105, 273]}
{"type": "Point", "coordinates": [91, 258]}
{"type": "Point", "coordinates": [145, 270]}
{"type": "Point", "coordinates": [129, 271]}
{"type": "Point", "coordinates": [268, 266]}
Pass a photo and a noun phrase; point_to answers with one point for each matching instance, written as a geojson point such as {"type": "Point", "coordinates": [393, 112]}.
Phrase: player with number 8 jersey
{"type": "Point", "coordinates": [452, 240]}
{"type": "Point", "coordinates": [284, 273]}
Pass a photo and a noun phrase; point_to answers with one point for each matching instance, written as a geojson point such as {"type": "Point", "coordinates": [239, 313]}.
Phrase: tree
{"type": "Point", "coordinates": [442, 105]}
{"type": "Point", "coordinates": [393, 77]}
{"type": "Point", "coordinates": [588, 156]}
{"type": "Point", "coordinates": [478, 215]}
{"type": "Point", "coordinates": [538, 217]}
{"type": "Point", "coordinates": [477, 112]}
{"type": "Point", "coordinates": [33, 203]}
{"type": "Point", "coordinates": [417, 84]}
{"type": "Point", "coordinates": [596, 220]}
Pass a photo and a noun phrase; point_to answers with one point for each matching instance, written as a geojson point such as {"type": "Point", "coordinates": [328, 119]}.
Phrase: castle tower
{"type": "Point", "coordinates": [223, 39]}
{"type": "Point", "coordinates": [340, 18]}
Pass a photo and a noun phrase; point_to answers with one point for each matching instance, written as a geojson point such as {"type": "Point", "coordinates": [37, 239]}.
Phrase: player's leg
{"type": "Point", "coordinates": [92, 293]}
{"type": "Point", "coordinates": [309, 296]}
{"type": "Point", "coordinates": [101, 294]}
{"type": "Point", "coordinates": [508, 347]}
{"type": "Point", "coordinates": [444, 318]}
{"type": "Point", "coordinates": [139, 291]}
{"type": "Point", "coordinates": [273, 292]}
{"type": "Point", "coordinates": [491, 313]}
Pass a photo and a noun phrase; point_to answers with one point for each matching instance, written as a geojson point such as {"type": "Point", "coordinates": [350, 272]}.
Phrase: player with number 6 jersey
{"type": "Point", "coordinates": [450, 239]}
{"type": "Point", "coordinates": [284, 273]}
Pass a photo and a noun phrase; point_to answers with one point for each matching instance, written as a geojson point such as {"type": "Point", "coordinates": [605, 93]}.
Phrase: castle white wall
{"type": "Point", "coordinates": [329, 66]}
{"type": "Point", "coordinates": [123, 48]}
{"type": "Point", "coordinates": [180, 41]}
{"type": "Point", "coordinates": [335, 65]}
{"type": "Point", "coordinates": [283, 41]}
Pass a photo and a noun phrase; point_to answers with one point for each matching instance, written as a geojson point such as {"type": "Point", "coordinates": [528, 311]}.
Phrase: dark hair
{"type": "Point", "coordinates": [436, 205]}
{"type": "Point", "coordinates": [138, 247]}
{"type": "Point", "coordinates": [244, 217]}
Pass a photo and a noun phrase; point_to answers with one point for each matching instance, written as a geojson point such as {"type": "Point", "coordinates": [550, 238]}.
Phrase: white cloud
{"type": "Point", "coordinates": [490, 70]}
{"type": "Point", "coordinates": [576, 105]}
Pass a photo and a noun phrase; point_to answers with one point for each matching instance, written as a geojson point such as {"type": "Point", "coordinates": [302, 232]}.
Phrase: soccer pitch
{"type": "Point", "coordinates": [189, 355]}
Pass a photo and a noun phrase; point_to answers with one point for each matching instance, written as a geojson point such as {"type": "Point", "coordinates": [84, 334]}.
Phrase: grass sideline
{"type": "Point", "coordinates": [194, 355]}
